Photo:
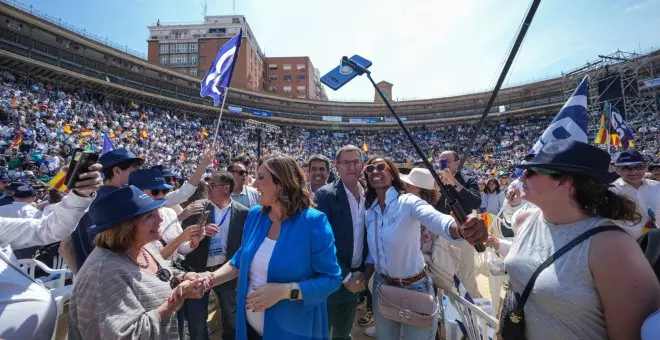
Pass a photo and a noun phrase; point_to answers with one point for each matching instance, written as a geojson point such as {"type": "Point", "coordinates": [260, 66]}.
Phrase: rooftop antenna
{"type": "Point", "coordinates": [205, 8]}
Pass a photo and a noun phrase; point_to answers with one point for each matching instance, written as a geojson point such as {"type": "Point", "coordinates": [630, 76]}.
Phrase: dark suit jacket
{"type": "Point", "coordinates": [333, 202]}
{"type": "Point", "coordinates": [198, 257]}
{"type": "Point", "coordinates": [468, 198]}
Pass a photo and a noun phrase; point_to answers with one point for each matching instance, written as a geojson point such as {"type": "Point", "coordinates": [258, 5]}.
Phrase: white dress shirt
{"type": "Point", "coordinates": [647, 198]}
{"type": "Point", "coordinates": [180, 195]}
{"type": "Point", "coordinates": [19, 210]}
{"type": "Point", "coordinates": [357, 214]}
{"type": "Point", "coordinates": [399, 243]}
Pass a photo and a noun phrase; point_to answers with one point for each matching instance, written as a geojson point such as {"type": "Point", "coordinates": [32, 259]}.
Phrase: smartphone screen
{"type": "Point", "coordinates": [443, 164]}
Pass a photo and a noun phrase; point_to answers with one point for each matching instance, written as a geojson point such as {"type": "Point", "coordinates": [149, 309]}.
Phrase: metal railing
{"type": "Point", "coordinates": [59, 22]}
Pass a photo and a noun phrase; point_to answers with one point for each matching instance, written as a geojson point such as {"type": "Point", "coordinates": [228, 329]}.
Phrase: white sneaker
{"type": "Point", "coordinates": [370, 332]}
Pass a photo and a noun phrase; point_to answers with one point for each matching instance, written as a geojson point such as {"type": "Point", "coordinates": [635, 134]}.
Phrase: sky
{"type": "Point", "coordinates": [426, 48]}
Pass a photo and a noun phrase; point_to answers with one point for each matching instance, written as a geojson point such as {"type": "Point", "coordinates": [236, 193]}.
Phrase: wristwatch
{"type": "Point", "coordinates": [294, 291]}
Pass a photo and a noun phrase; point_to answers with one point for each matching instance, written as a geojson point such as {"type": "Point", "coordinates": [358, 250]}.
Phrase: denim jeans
{"type": "Point", "coordinates": [391, 330]}
{"type": "Point", "coordinates": [197, 314]}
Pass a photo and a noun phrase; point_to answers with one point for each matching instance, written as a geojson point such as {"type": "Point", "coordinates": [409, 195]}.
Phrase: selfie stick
{"type": "Point", "coordinates": [455, 206]}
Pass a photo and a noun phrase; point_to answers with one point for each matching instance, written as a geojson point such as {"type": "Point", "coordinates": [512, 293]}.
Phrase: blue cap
{"type": "Point", "coordinates": [116, 156]}
{"type": "Point", "coordinates": [148, 179]}
{"type": "Point", "coordinates": [629, 158]}
{"type": "Point", "coordinates": [25, 191]}
{"type": "Point", "coordinates": [164, 170]}
{"type": "Point", "coordinates": [15, 185]}
{"type": "Point", "coordinates": [120, 205]}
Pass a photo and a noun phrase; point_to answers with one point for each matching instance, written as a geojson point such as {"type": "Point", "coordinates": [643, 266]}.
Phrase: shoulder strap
{"type": "Point", "coordinates": [530, 284]}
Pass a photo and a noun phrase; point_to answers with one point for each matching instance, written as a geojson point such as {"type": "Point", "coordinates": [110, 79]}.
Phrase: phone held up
{"type": "Point", "coordinates": [79, 164]}
{"type": "Point", "coordinates": [443, 164]}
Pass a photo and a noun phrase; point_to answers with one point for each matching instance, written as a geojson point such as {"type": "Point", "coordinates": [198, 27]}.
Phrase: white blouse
{"type": "Point", "coordinates": [259, 277]}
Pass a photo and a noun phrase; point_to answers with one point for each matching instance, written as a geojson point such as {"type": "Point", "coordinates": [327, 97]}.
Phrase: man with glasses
{"type": "Point", "coordinates": [213, 251]}
{"type": "Point", "coordinates": [242, 194]}
{"type": "Point", "coordinates": [632, 167]}
{"type": "Point", "coordinates": [343, 202]}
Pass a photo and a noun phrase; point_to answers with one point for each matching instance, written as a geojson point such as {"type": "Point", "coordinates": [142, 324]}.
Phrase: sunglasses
{"type": "Point", "coordinates": [240, 172]}
{"type": "Point", "coordinates": [157, 192]}
{"type": "Point", "coordinates": [531, 172]}
{"type": "Point", "coordinates": [163, 274]}
{"type": "Point", "coordinates": [630, 168]}
{"type": "Point", "coordinates": [380, 166]}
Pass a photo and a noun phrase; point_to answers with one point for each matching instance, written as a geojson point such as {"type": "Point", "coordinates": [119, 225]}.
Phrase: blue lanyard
{"type": "Point", "coordinates": [222, 220]}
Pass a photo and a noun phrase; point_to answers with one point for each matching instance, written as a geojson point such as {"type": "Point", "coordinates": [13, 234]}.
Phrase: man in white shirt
{"type": "Point", "coordinates": [22, 207]}
{"type": "Point", "coordinates": [632, 167]}
{"type": "Point", "coordinates": [343, 202]}
{"type": "Point", "coordinates": [27, 309]}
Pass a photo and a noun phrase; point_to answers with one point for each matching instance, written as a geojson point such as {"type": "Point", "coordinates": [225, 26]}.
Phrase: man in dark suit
{"type": "Point", "coordinates": [343, 203]}
{"type": "Point", "coordinates": [213, 251]}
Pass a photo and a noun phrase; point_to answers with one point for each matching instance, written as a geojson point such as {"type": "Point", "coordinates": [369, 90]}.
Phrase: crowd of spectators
{"type": "Point", "coordinates": [41, 124]}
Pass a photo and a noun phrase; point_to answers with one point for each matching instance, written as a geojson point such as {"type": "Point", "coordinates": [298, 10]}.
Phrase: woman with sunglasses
{"type": "Point", "coordinates": [393, 220]}
{"type": "Point", "coordinates": [174, 242]}
{"type": "Point", "coordinates": [601, 288]}
{"type": "Point", "coordinates": [123, 291]}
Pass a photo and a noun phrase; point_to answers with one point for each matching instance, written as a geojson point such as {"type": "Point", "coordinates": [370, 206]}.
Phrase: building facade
{"type": "Point", "coordinates": [293, 77]}
{"type": "Point", "coordinates": [191, 48]}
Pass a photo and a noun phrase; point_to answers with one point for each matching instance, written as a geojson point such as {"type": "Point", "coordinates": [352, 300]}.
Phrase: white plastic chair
{"type": "Point", "coordinates": [478, 324]}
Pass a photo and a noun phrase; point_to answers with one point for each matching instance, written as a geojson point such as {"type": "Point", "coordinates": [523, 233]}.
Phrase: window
{"type": "Point", "coordinates": [178, 60]}
{"type": "Point", "coordinates": [179, 48]}
{"type": "Point", "coordinates": [300, 77]}
{"type": "Point", "coordinates": [287, 77]}
{"type": "Point", "coordinates": [192, 47]}
{"type": "Point", "coordinates": [164, 48]}
{"type": "Point", "coordinates": [272, 88]}
{"type": "Point", "coordinates": [164, 59]}
{"type": "Point", "coordinates": [235, 20]}
{"type": "Point", "coordinates": [177, 35]}
{"type": "Point", "coordinates": [193, 60]}
{"type": "Point", "coordinates": [300, 66]}
{"type": "Point", "coordinates": [272, 66]}
{"type": "Point", "coordinates": [192, 72]}
{"type": "Point", "coordinates": [272, 78]}
{"type": "Point", "coordinates": [300, 88]}
{"type": "Point", "coordinates": [287, 89]}
{"type": "Point", "coordinates": [287, 67]}
{"type": "Point", "coordinates": [217, 30]}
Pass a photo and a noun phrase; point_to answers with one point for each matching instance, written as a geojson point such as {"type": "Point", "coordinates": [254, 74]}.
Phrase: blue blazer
{"type": "Point", "coordinates": [304, 253]}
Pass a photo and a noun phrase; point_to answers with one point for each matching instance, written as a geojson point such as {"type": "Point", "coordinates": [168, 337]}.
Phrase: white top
{"type": "Point", "coordinates": [180, 195]}
{"type": "Point", "coordinates": [19, 210]}
{"type": "Point", "coordinates": [259, 277]}
{"type": "Point", "coordinates": [647, 198]}
{"type": "Point", "coordinates": [357, 214]}
{"type": "Point", "coordinates": [399, 227]}
{"type": "Point", "coordinates": [218, 243]}
{"type": "Point", "coordinates": [170, 229]}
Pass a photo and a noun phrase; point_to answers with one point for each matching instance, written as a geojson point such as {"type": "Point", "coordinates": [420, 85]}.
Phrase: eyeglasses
{"type": "Point", "coordinates": [380, 166]}
{"type": "Point", "coordinates": [356, 163]}
{"type": "Point", "coordinates": [240, 172]}
{"type": "Point", "coordinates": [530, 172]}
{"type": "Point", "coordinates": [631, 168]}
{"type": "Point", "coordinates": [157, 192]}
{"type": "Point", "coordinates": [213, 185]}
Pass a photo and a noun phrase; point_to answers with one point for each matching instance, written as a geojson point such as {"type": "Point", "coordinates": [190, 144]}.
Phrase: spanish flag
{"type": "Point", "coordinates": [86, 133]}
{"type": "Point", "coordinates": [488, 220]}
{"type": "Point", "coordinates": [365, 147]}
{"type": "Point", "coordinates": [606, 134]}
{"type": "Point", "coordinates": [67, 129]}
{"type": "Point", "coordinates": [57, 182]}
{"type": "Point", "coordinates": [206, 134]}
{"type": "Point", "coordinates": [144, 134]}
{"type": "Point", "coordinates": [112, 135]}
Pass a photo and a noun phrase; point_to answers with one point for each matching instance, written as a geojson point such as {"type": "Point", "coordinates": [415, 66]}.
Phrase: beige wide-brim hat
{"type": "Point", "coordinates": [420, 178]}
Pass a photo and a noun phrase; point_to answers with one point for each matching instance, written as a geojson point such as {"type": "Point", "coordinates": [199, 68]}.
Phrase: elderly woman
{"type": "Point", "coordinates": [123, 291]}
{"type": "Point", "coordinates": [286, 265]}
{"type": "Point", "coordinates": [393, 220]}
{"type": "Point", "coordinates": [603, 287]}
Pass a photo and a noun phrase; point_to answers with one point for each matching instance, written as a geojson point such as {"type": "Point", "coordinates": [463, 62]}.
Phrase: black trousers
{"type": "Point", "coordinates": [341, 317]}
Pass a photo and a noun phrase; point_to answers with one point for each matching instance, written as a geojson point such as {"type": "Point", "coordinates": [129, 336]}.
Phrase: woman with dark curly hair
{"type": "Point", "coordinates": [601, 288]}
{"type": "Point", "coordinates": [286, 266]}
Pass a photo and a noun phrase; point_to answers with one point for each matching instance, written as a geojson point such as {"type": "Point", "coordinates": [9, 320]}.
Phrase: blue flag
{"type": "Point", "coordinates": [217, 79]}
{"type": "Point", "coordinates": [625, 133]}
{"type": "Point", "coordinates": [571, 121]}
{"type": "Point", "coordinates": [107, 144]}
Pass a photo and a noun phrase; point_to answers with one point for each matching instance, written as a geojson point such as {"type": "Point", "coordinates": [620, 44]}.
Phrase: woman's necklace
{"type": "Point", "coordinates": [144, 255]}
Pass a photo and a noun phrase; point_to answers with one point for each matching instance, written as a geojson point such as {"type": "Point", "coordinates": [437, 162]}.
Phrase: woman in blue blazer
{"type": "Point", "coordinates": [286, 266]}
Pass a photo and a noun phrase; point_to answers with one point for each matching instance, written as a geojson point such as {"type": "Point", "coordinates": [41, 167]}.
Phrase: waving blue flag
{"type": "Point", "coordinates": [571, 121]}
{"type": "Point", "coordinates": [107, 144]}
{"type": "Point", "coordinates": [217, 79]}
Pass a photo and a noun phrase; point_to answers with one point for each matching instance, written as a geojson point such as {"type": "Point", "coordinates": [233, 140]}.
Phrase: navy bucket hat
{"type": "Point", "coordinates": [148, 179]}
{"type": "Point", "coordinates": [120, 205]}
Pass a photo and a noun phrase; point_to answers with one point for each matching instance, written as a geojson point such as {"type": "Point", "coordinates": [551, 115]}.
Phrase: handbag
{"type": "Point", "coordinates": [403, 305]}
{"type": "Point", "coordinates": [512, 314]}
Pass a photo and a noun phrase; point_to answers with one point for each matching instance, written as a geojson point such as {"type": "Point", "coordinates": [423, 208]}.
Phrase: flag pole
{"type": "Point", "coordinates": [217, 125]}
{"type": "Point", "coordinates": [609, 126]}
